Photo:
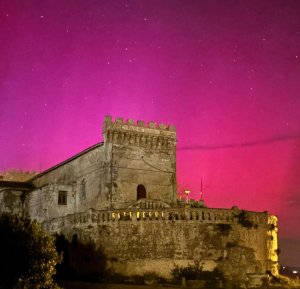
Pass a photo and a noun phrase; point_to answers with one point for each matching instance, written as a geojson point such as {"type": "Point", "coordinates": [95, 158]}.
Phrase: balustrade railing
{"type": "Point", "coordinates": [201, 215]}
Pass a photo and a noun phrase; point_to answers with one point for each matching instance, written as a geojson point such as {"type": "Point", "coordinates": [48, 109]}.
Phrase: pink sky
{"type": "Point", "coordinates": [226, 73]}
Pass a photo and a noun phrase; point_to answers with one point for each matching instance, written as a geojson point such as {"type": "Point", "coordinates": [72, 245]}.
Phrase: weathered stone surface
{"type": "Point", "coordinates": [18, 176]}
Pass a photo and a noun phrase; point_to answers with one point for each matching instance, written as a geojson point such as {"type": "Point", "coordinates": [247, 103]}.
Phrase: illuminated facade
{"type": "Point", "coordinates": [122, 194]}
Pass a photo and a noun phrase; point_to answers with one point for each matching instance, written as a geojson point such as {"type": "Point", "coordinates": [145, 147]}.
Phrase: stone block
{"type": "Point", "coordinates": [172, 128]}
{"type": "Point", "coordinates": [162, 126]}
{"type": "Point", "coordinates": [119, 120]}
{"type": "Point", "coordinates": [130, 121]}
{"type": "Point", "coordinates": [152, 124]}
{"type": "Point", "coordinates": [107, 118]}
{"type": "Point", "coordinates": [141, 123]}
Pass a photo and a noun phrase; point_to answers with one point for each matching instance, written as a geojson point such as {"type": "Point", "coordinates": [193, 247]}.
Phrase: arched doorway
{"type": "Point", "coordinates": [141, 192]}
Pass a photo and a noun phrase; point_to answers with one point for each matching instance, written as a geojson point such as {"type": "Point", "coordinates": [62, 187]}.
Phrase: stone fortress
{"type": "Point", "coordinates": [122, 195]}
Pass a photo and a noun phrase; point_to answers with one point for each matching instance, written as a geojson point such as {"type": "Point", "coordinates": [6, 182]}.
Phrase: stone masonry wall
{"type": "Point", "coordinates": [138, 240]}
{"type": "Point", "coordinates": [17, 176]}
{"type": "Point", "coordinates": [86, 172]}
{"type": "Point", "coordinates": [140, 155]}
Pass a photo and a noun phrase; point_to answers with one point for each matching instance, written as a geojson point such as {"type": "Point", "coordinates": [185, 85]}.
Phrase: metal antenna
{"type": "Point", "coordinates": [201, 189]}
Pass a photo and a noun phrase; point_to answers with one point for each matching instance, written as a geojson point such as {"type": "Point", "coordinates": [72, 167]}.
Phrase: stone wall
{"type": "Point", "coordinates": [10, 201]}
{"type": "Point", "coordinates": [17, 176]}
{"type": "Point", "coordinates": [138, 240]}
{"type": "Point", "coordinates": [85, 171]}
{"type": "Point", "coordinates": [140, 155]}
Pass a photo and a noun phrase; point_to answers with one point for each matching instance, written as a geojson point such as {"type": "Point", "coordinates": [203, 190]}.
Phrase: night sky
{"type": "Point", "coordinates": [226, 73]}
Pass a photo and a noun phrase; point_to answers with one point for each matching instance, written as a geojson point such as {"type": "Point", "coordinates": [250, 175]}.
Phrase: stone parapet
{"type": "Point", "coordinates": [201, 215]}
{"type": "Point", "coordinates": [151, 137]}
{"type": "Point", "coordinates": [17, 176]}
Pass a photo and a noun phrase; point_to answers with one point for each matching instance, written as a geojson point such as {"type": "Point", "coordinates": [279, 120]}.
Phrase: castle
{"type": "Point", "coordinates": [122, 195]}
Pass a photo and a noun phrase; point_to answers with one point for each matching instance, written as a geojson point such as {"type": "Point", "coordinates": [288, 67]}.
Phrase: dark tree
{"type": "Point", "coordinates": [28, 255]}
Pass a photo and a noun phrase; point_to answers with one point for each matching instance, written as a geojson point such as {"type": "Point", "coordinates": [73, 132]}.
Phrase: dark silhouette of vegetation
{"type": "Point", "coordinates": [116, 278]}
{"type": "Point", "coordinates": [231, 244]}
{"type": "Point", "coordinates": [194, 272]}
{"type": "Point", "coordinates": [279, 279]}
{"type": "Point", "coordinates": [190, 272]}
{"type": "Point", "coordinates": [81, 262]}
{"type": "Point", "coordinates": [138, 279]}
{"type": "Point", "coordinates": [224, 229]}
{"type": "Point", "coordinates": [243, 219]}
{"type": "Point", "coordinates": [28, 255]}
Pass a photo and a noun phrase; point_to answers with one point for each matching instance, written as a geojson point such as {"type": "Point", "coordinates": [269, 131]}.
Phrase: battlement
{"type": "Point", "coordinates": [151, 137]}
{"type": "Point", "coordinates": [18, 176]}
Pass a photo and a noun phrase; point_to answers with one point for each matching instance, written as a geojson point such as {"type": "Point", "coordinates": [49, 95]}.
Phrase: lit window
{"type": "Point", "coordinates": [62, 197]}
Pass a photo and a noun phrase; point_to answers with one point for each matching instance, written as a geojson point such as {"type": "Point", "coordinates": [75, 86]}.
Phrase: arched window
{"type": "Point", "coordinates": [141, 192]}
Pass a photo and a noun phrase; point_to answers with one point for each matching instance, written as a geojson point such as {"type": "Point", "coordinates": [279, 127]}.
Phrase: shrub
{"type": "Point", "coordinates": [224, 229]}
{"type": "Point", "coordinates": [193, 272]}
{"type": "Point", "coordinates": [81, 262]}
{"type": "Point", "coordinates": [231, 244]}
{"type": "Point", "coordinates": [216, 274]}
{"type": "Point", "coordinates": [243, 219]}
{"type": "Point", "coordinates": [28, 255]}
{"type": "Point", "coordinates": [117, 279]}
{"type": "Point", "coordinates": [190, 272]}
{"type": "Point", "coordinates": [138, 279]}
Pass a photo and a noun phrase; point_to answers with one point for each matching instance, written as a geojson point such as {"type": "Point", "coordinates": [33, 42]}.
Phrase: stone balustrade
{"type": "Point", "coordinates": [201, 215]}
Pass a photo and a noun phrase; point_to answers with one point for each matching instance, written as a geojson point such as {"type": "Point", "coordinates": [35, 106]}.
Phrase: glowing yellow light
{"type": "Point", "coordinates": [187, 192]}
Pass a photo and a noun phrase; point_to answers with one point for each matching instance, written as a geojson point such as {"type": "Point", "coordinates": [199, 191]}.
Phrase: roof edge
{"type": "Point", "coordinates": [16, 185]}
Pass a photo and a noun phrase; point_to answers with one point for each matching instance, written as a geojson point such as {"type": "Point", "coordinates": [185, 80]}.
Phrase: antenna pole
{"type": "Point", "coordinates": [201, 189]}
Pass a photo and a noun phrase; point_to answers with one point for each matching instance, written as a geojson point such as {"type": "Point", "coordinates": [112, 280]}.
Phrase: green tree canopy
{"type": "Point", "coordinates": [28, 255]}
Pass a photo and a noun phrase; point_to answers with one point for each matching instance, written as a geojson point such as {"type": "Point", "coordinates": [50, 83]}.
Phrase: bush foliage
{"type": "Point", "coordinates": [28, 255]}
{"type": "Point", "coordinates": [224, 229]}
{"type": "Point", "coordinates": [190, 272]}
{"type": "Point", "coordinates": [195, 272]}
{"type": "Point", "coordinates": [81, 262]}
{"type": "Point", "coordinates": [243, 219]}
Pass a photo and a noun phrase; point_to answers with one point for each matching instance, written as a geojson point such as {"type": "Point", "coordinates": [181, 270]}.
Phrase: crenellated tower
{"type": "Point", "coordinates": [141, 161]}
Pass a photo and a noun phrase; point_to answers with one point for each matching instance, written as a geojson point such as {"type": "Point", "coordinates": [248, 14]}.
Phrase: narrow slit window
{"type": "Point", "coordinates": [83, 189]}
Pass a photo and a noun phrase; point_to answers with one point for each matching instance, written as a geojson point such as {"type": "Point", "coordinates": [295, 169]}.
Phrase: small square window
{"type": "Point", "coordinates": [62, 197]}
